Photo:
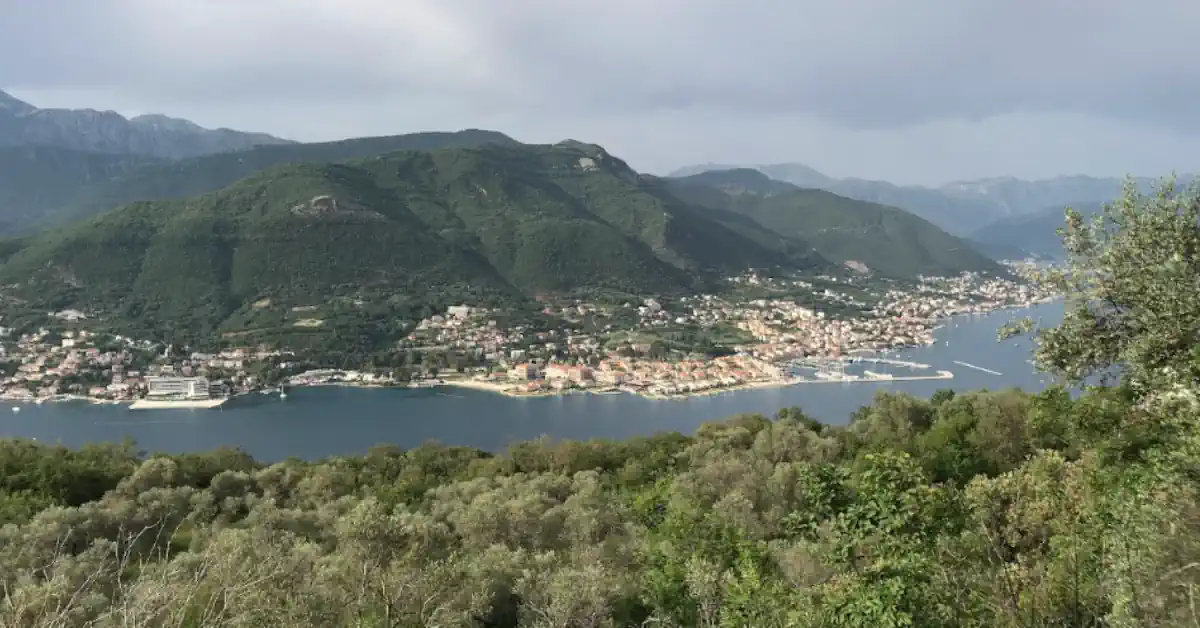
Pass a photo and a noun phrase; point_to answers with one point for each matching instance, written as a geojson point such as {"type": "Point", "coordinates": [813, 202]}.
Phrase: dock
{"type": "Point", "coordinates": [825, 363]}
{"type": "Point", "coordinates": [977, 368]}
{"type": "Point", "coordinates": [910, 365]}
{"type": "Point", "coordinates": [857, 379]}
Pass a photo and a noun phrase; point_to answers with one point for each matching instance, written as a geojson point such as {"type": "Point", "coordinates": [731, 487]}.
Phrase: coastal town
{"type": "Point", "coordinates": [763, 342]}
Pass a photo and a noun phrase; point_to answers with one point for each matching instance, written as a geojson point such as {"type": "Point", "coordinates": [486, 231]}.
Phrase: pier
{"type": "Point", "coordinates": [859, 379]}
{"type": "Point", "coordinates": [910, 365]}
{"type": "Point", "coordinates": [821, 363]}
{"type": "Point", "coordinates": [977, 368]}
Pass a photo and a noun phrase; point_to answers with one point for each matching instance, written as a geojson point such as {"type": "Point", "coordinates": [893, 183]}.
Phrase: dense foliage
{"type": "Point", "coordinates": [980, 509]}
{"type": "Point", "coordinates": [45, 186]}
{"type": "Point", "coordinates": [209, 173]}
{"type": "Point", "coordinates": [887, 240]}
{"type": "Point", "coordinates": [975, 509]}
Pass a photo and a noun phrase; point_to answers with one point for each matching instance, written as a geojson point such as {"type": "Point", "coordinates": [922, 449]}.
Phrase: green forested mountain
{"type": "Point", "coordinates": [384, 233]}
{"type": "Point", "coordinates": [739, 181]}
{"type": "Point", "coordinates": [200, 175]}
{"type": "Point", "coordinates": [887, 240]}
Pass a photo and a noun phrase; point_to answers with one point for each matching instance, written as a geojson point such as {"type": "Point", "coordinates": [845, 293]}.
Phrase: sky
{"type": "Point", "coordinates": [910, 91]}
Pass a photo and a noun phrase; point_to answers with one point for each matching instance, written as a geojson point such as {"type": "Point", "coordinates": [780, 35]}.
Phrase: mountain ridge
{"type": "Point", "coordinates": [23, 210]}
{"type": "Point", "coordinates": [1034, 233]}
{"type": "Point", "coordinates": [888, 240]}
{"type": "Point", "coordinates": [152, 135]}
{"type": "Point", "coordinates": [959, 207]}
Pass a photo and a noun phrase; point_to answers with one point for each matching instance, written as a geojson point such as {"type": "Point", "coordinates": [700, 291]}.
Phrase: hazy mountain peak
{"type": "Point", "coordinates": [739, 180]}
{"type": "Point", "coordinates": [797, 174]}
{"type": "Point", "coordinates": [158, 120]}
{"type": "Point", "coordinates": [688, 171]}
{"type": "Point", "coordinates": [11, 104]}
{"type": "Point", "coordinates": [959, 207]}
{"type": "Point", "coordinates": [109, 132]}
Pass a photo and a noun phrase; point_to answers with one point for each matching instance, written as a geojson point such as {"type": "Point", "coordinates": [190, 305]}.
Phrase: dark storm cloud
{"type": "Point", "coordinates": [865, 63]}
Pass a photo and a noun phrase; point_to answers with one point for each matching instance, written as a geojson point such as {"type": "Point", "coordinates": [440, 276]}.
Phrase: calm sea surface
{"type": "Point", "coordinates": [316, 422]}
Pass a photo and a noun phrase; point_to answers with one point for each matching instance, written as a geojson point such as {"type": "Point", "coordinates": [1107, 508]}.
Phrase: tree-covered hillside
{"type": "Point", "coordinates": [209, 173]}
{"type": "Point", "coordinates": [887, 240]}
{"type": "Point", "coordinates": [976, 509]}
{"type": "Point", "coordinates": [387, 233]}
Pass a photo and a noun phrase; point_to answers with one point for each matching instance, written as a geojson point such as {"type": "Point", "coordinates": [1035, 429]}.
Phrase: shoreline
{"type": "Point", "coordinates": [500, 389]}
{"type": "Point", "coordinates": [505, 389]}
{"type": "Point", "coordinates": [20, 401]}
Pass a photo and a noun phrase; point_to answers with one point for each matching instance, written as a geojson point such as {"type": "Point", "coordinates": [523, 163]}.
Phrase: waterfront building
{"type": "Point", "coordinates": [523, 372]}
{"type": "Point", "coordinates": [177, 387]}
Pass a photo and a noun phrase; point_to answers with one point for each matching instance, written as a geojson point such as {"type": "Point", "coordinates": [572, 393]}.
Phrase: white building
{"type": "Point", "coordinates": [178, 387]}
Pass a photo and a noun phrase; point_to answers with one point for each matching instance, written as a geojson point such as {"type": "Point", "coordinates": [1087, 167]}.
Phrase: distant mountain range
{"type": "Point", "coordinates": [883, 239]}
{"type": "Point", "coordinates": [24, 125]}
{"type": "Point", "coordinates": [1034, 234]}
{"type": "Point", "coordinates": [961, 207]}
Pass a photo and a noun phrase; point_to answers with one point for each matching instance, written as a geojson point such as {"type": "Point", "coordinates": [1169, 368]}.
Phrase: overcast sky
{"type": "Point", "coordinates": [913, 91]}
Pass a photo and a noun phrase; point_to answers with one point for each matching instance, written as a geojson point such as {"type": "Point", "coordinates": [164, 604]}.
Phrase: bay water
{"type": "Point", "coordinates": [317, 422]}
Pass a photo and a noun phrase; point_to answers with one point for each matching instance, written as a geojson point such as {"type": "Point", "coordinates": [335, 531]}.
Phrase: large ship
{"type": "Point", "coordinates": [165, 393]}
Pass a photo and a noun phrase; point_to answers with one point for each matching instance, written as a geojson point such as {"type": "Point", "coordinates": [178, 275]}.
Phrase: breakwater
{"type": "Point", "coordinates": [977, 368]}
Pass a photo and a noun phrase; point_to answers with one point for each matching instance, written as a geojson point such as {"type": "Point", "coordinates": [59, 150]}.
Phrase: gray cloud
{"type": "Point", "coordinates": [901, 88]}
